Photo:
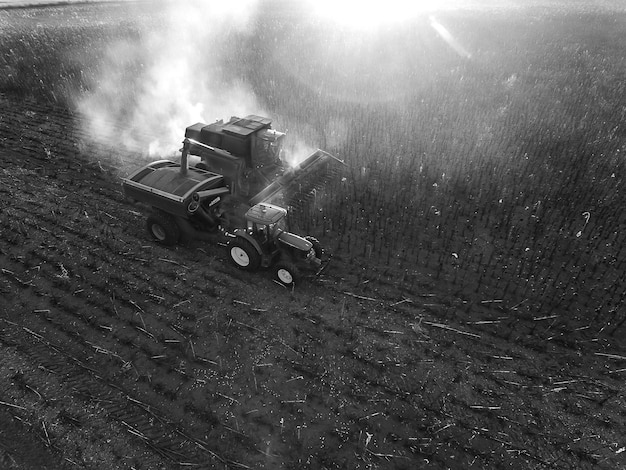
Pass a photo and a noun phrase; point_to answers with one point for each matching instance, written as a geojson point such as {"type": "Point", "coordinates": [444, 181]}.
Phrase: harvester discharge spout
{"type": "Point", "coordinates": [184, 158]}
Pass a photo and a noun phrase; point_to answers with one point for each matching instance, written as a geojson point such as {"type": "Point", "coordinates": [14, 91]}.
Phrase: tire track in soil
{"type": "Point", "coordinates": [143, 421]}
{"type": "Point", "coordinates": [520, 424]}
{"type": "Point", "coordinates": [69, 324]}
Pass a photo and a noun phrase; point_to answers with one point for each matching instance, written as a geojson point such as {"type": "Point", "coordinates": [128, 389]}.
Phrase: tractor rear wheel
{"type": "Point", "coordinates": [244, 255]}
{"type": "Point", "coordinates": [163, 228]}
{"type": "Point", "coordinates": [287, 273]}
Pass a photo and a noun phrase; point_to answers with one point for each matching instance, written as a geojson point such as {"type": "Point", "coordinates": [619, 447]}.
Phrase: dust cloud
{"type": "Point", "coordinates": [172, 74]}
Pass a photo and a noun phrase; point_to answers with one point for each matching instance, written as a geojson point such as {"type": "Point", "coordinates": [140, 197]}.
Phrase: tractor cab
{"type": "Point", "coordinates": [267, 223]}
{"type": "Point", "coordinates": [266, 217]}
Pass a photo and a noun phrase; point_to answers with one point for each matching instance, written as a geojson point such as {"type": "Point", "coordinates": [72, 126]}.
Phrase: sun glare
{"type": "Point", "coordinates": [367, 14]}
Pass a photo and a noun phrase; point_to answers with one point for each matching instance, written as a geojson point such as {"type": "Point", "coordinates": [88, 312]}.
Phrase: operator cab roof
{"type": "Point", "coordinates": [246, 126]}
{"type": "Point", "coordinates": [265, 214]}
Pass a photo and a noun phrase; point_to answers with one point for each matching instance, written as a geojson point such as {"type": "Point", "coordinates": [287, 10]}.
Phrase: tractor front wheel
{"type": "Point", "coordinates": [244, 255]}
{"type": "Point", "coordinates": [317, 247]}
{"type": "Point", "coordinates": [163, 228]}
{"type": "Point", "coordinates": [287, 273]}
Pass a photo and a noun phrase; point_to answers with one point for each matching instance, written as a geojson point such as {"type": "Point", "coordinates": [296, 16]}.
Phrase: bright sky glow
{"type": "Point", "coordinates": [366, 14]}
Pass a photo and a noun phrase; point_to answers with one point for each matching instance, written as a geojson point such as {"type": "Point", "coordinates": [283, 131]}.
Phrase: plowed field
{"type": "Point", "coordinates": [118, 352]}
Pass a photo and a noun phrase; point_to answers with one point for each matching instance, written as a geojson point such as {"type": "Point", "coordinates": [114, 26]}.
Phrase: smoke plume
{"type": "Point", "coordinates": [176, 72]}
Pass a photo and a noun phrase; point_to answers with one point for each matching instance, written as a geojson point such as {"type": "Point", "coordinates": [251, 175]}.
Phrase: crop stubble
{"type": "Point", "coordinates": [446, 363]}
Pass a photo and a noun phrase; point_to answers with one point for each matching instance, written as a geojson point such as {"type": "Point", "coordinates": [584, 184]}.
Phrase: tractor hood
{"type": "Point", "coordinates": [295, 241]}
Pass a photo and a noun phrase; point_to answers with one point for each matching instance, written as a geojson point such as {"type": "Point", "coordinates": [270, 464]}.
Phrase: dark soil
{"type": "Point", "coordinates": [474, 321]}
{"type": "Point", "coordinates": [120, 353]}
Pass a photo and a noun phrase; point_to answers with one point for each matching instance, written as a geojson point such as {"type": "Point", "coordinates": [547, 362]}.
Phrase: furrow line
{"type": "Point", "coordinates": [85, 384]}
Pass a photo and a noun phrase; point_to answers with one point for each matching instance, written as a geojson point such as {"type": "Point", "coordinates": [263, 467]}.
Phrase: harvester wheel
{"type": "Point", "coordinates": [317, 246]}
{"type": "Point", "coordinates": [287, 273]}
{"type": "Point", "coordinates": [163, 228]}
{"type": "Point", "coordinates": [244, 255]}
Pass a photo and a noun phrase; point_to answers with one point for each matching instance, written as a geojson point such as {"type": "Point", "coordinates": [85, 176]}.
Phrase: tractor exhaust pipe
{"type": "Point", "coordinates": [184, 158]}
{"type": "Point", "coordinates": [207, 217]}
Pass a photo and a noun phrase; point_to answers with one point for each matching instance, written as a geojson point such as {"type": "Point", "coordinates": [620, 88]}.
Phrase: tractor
{"type": "Point", "coordinates": [186, 203]}
{"type": "Point", "coordinates": [265, 242]}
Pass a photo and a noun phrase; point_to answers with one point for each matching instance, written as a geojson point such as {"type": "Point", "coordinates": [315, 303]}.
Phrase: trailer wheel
{"type": "Point", "coordinates": [287, 273]}
{"type": "Point", "coordinates": [317, 246]}
{"type": "Point", "coordinates": [163, 228]}
{"type": "Point", "coordinates": [244, 255]}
